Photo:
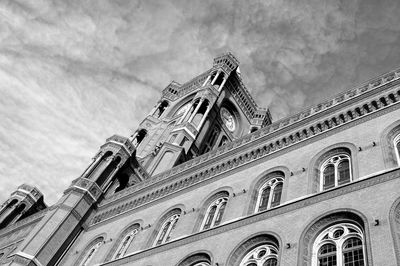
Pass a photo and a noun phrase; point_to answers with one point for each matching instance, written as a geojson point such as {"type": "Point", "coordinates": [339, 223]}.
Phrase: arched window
{"type": "Point", "coordinates": [335, 171]}
{"type": "Point", "coordinates": [214, 213]}
{"type": "Point", "coordinates": [269, 195]}
{"type": "Point", "coordinates": [263, 255]}
{"type": "Point", "coordinates": [198, 259]}
{"type": "Point", "coordinates": [397, 147]}
{"type": "Point", "coordinates": [165, 231]}
{"type": "Point", "coordinates": [160, 109]}
{"type": "Point", "coordinates": [91, 251]}
{"type": "Point", "coordinates": [339, 245]}
{"type": "Point", "coordinates": [260, 250]}
{"type": "Point", "coordinates": [125, 243]}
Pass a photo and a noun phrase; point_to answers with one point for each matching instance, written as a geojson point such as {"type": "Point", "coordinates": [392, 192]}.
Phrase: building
{"type": "Point", "coordinates": [209, 179]}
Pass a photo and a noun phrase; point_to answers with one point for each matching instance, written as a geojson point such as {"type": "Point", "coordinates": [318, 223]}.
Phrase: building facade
{"type": "Point", "coordinates": [209, 179]}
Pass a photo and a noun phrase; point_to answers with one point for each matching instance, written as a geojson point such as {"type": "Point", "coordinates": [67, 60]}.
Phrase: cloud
{"type": "Point", "coordinates": [72, 73]}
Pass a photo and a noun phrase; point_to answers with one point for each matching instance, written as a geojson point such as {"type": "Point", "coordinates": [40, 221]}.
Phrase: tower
{"type": "Point", "coordinates": [190, 119]}
{"type": "Point", "coordinates": [195, 117]}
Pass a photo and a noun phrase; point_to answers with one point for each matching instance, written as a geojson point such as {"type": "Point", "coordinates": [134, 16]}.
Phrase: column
{"type": "Point", "coordinates": [204, 116]}
{"type": "Point", "coordinates": [205, 82]}
{"type": "Point", "coordinates": [223, 83]}
{"type": "Point", "coordinates": [196, 110]}
{"type": "Point", "coordinates": [215, 78]}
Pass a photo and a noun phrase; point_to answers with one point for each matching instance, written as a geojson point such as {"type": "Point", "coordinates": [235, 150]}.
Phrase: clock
{"type": "Point", "coordinates": [228, 119]}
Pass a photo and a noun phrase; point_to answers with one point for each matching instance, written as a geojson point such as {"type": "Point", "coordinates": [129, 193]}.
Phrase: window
{"type": "Point", "coordinates": [269, 195]}
{"type": "Point", "coordinates": [397, 148]}
{"type": "Point", "coordinates": [89, 254]}
{"type": "Point", "coordinates": [335, 171]}
{"type": "Point", "coordinates": [198, 259]}
{"type": "Point", "coordinates": [214, 213]}
{"type": "Point", "coordinates": [339, 245]}
{"type": "Point", "coordinates": [263, 255]}
{"type": "Point", "coordinates": [125, 243]}
{"type": "Point", "coordinates": [165, 232]}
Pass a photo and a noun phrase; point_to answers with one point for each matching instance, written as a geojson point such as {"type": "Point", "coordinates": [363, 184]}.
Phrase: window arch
{"type": "Point", "coordinates": [334, 239]}
{"type": "Point", "coordinates": [263, 255]}
{"type": "Point", "coordinates": [125, 241]}
{"type": "Point", "coordinates": [198, 259]}
{"type": "Point", "coordinates": [260, 250]}
{"type": "Point", "coordinates": [267, 190]}
{"type": "Point", "coordinates": [396, 143]}
{"type": "Point", "coordinates": [269, 195]}
{"type": "Point", "coordinates": [335, 171]}
{"type": "Point", "coordinates": [215, 212]}
{"type": "Point", "coordinates": [90, 251]}
{"type": "Point", "coordinates": [168, 224]}
{"type": "Point", "coordinates": [340, 244]}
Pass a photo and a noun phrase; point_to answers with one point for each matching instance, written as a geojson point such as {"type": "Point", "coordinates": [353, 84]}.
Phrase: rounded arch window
{"type": "Point", "coordinates": [341, 244]}
{"type": "Point", "coordinates": [168, 225]}
{"type": "Point", "coordinates": [396, 143]}
{"type": "Point", "coordinates": [214, 213]}
{"type": "Point", "coordinates": [125, 242]}
{"type": "Point", "coordinates": [198, 259]}
{"type": "Point", "coordinates": [263, 255]}
{"type": "Point", "coordinates": [90, 251]}
{"type": "Point", "coordinates": [335, 171]}
{"type": "Point", "coordinates": [270, 193]}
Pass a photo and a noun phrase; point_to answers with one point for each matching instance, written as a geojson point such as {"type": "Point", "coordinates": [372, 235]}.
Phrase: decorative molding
{"type": "Point", "coordinates": [264, 215]}
{"type": "Point", "coordinates": [382, 102]}
{"type": "Point", "coordinates": [165, 187]}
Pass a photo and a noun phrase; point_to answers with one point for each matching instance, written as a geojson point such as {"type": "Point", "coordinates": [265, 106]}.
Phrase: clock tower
{"type": "Point", "coordinates": [198, 116]}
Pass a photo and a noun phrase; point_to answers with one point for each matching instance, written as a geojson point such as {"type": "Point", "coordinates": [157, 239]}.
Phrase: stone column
{"type": "Point", "coordinates": [216, 76]}
{"type": "Point", "coordinates": [196, 110]}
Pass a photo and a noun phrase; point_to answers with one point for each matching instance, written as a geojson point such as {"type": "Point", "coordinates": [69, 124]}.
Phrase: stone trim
{"type": "Point", "coordinates": [240, 159]}
{"type": "Point", "coordinates": [282, 209]}
{"type": "Point", "coordinates": [378, 103]}
{"type": "Point", "coordinates": [22, 223]}
{"type": "Point", "coordinates": [394, 220]}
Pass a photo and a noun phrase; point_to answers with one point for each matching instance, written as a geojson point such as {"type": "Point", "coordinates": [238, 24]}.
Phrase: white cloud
{"type": "Point", "coordinates": [72, 73]}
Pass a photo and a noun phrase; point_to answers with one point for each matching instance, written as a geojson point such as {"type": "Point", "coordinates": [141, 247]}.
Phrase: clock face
{"type": "Point", "coordinates": [228, 119]}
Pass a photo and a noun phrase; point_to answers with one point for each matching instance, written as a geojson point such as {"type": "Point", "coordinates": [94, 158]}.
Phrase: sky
{"type": "Point", "coordinates": [73, 73]}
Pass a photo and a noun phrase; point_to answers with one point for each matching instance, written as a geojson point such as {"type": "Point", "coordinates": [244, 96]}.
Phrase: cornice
{"type": "Point", "coordinates": [254, 146]}
{"type": "Point", "coordinates": [216, 170]}
{"type": "Point", "coordinates": [251, 219]}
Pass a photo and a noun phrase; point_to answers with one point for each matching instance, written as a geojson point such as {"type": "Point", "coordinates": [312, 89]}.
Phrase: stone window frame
{"type": "Point", "coordinates": [252, 242]}
{"type": "Point", "coordinates": [389, 137]}
{"type": "Point", "coordinates": [262, 179]}
{"type": "Point", "coordinates": [338, 242]}
{"type": "Point", "coordinates": [219, 202]}
{"type": "Point", "coordinates": [204, 206]}
{"type": "Point", "coordinates": [394, 220]}
{"type": "Point", "coordinates": [175, 210]}
{"type": "Point", "coordinates": [314, 171]}
{"type": "Point", "coordinates": [320, 223]}
{"type": "Point", "coordinates": [97, 241]}
{"type": "Point", "coordinates": [196, 258]}
{"type": "Point", "coordinates": [121, 237]}
{"type": "Point", "coordinates": [340, 157]}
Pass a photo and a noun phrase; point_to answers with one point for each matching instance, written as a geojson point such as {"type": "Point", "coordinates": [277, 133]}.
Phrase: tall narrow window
{"type": "Point", "coordinates": [263, 255]}
{"type": "Point", "coordinates": [340, 245]}
{"type": "Point", "coordinates": [214, 213]}
{"type": "Point", "coordinates": [335, 171]}
{"type": "Point", "coordinates": [91, 252]}
{"type": "Point", "coordinates": [125, 243]}
{"type": "Point", "coordinates": [397, 148]}
{"type": "Point", "coordinates": [269, 195]}
{"type": "Point", "coordinates": [166, 229]}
